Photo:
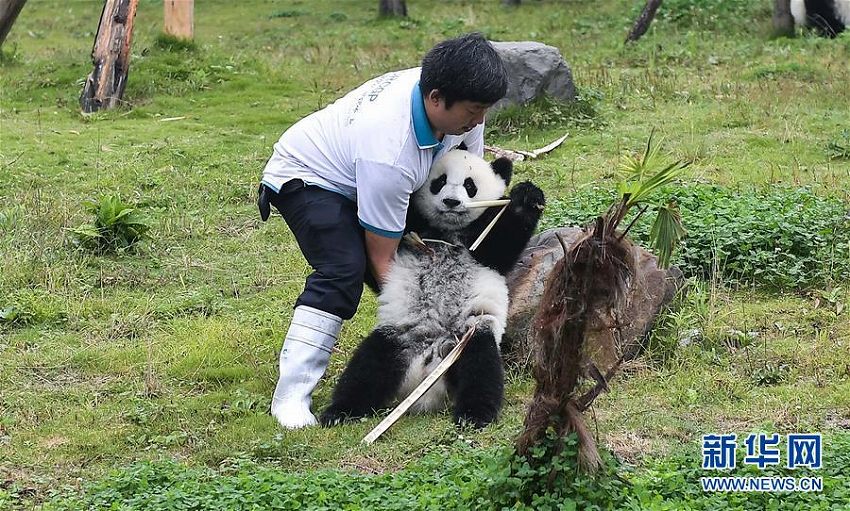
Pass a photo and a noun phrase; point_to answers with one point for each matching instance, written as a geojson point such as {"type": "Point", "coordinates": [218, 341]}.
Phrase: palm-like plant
{"type": "Point", "coordinates": [590, 281]}
{"type": "Point", "coordinates": [642, 177]}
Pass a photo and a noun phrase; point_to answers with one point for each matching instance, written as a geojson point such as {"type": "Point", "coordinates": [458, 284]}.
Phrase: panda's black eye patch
{"type": "Point", "coordinates": [471, 189]}
{"type": "Point", "coordinates": [438, 184]}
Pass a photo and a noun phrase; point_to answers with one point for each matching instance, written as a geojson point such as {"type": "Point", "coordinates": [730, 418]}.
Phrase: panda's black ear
{"type": "Point", "coordinates": [462, 147]}
{"type": "Point", "coordinates": [503, 167]}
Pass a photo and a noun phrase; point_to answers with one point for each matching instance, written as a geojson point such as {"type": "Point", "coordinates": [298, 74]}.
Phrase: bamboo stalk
{"type": "Point", "coordinates": [488, 203]}
{"type": "Point", "coordinates": [488, 229]}
{"type": "Point", "coordinates": [421, 389]}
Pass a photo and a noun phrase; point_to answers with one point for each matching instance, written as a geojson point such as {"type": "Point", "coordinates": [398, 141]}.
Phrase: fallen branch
{"type": "Point", "coordinates": [498, 152]}
{"type": "Point", "coordinates": [520, 155]}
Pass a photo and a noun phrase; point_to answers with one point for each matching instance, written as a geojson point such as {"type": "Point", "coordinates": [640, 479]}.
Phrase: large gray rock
{"type": "Point", "coordinates": [650, 290]}
{"type": "Point", "coordinates": [534, 69]}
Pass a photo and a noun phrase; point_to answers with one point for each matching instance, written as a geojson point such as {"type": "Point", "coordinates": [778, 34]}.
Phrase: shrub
{"type": "Point", "coordinates": [116, 227]}
{"type": "Point", "coordinates": [778, 238]}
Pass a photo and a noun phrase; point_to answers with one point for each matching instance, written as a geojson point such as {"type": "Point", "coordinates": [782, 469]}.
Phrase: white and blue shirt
{"type": "Point", "coordinates": [374, 145]}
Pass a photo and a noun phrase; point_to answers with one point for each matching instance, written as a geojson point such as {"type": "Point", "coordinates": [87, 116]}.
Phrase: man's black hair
{"type": "Point", "coordinates": [466, 68]}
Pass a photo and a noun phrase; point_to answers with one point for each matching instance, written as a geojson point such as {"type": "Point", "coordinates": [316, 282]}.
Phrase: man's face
{"type": "Point", "coordinates": [461, 117]}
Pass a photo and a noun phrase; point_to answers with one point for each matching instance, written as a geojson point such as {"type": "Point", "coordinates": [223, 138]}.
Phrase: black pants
{"type": "Point", "coordinates": [332, 240]}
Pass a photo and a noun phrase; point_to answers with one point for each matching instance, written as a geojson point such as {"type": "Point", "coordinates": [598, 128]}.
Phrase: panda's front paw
{"type": "Point", "coordinates": [526, 198]}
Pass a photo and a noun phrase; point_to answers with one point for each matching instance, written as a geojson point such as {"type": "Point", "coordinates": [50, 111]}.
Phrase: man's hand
{"type": "Point", "coordinates": [380, 251]}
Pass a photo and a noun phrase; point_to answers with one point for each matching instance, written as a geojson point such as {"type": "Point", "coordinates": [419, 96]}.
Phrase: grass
{"type": "Point", "coordinates": [169, 353]}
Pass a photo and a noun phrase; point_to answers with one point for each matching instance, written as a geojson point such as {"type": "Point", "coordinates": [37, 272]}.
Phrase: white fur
{"type": "Point", "coordinates": [457, 166]}
{"type": "Point", "coordinates": [488, 302]}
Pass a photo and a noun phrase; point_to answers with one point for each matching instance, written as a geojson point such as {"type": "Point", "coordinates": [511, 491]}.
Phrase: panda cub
{"type": "Point", "coordinates": [433, 294]}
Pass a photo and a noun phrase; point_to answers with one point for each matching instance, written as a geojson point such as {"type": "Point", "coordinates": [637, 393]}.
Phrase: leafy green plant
{"type": "Point", "coordinates": [27, 307]}
{"type": "Point", "coordinates": [450, 477]}
{"type": "Point", "coordinates": [642, 177]}
{"type": "Point", "coordinates": [770, 373]}
{"type": "Point", "coordinates": [777, 238]}
{"type": "Point", "coordinates": [116, 227]}
{"type": "Point", "coordinates": [550, 477]}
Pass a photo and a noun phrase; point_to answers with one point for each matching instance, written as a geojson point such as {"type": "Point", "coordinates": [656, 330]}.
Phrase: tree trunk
{"type": "Point", "coordinates": [180, 19]}
{"type": "Point", "coordinates": [110, 56]}
{"type": "Point", "coordinates": [643, 21]}
{"type": "Point", "coordinates": [392, 8]}
{"type": "Point", "coordinates": [783, 22]}
{"type": "Point", "coordinates": [9, 10]}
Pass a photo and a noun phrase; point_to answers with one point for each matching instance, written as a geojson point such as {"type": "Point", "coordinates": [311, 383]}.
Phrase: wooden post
{"type": "Point", "coordinates": [642, 23]}
{"type": "Point", "coordinates": [392, 8]}
{"type": "Point", "coordinates": [9, 10]}
{"type": "Point", "coordinates": [180, 18]}
{"type": "Point", "coordinates": [110, 56]}
{"type": "Point", "coordinates": [783, 22]}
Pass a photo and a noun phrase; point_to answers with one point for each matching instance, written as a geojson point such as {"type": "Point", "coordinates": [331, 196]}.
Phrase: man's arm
{"type": "Point", "coordinates": [380, 251]}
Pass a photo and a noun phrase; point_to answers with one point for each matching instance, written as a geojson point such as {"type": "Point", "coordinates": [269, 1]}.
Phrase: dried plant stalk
{"type": "Point", "coordinates": [592, 278]}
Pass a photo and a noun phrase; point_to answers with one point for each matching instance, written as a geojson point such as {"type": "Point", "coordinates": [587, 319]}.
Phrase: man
{"type": "Point", "coordinates": [342, 179]}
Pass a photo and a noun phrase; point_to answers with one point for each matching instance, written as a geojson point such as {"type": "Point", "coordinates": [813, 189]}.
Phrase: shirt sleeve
{"type": "Point", "coordinates": [383, 193]}
{"type": "Point", "coordinates": [474, 140]}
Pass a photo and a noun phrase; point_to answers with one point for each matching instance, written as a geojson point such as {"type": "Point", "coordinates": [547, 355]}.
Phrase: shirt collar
{"type": "Point", "coordinates": [425, 138]}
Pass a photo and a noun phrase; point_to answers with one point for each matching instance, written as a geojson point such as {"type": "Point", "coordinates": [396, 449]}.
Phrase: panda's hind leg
{"type": "Point", "coordinates": [370, 380]}
{"type": "Point", "coordinates": [477, 381]}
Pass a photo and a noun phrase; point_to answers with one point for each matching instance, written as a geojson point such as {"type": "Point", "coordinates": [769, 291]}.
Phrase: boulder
{"type": "Point", "coordinates": [534, 69]}
{"type": "Point", "coordinates": [651, 289]}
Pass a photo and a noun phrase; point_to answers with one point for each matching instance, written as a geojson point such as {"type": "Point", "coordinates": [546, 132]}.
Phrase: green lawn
{"type": "Point", "coordinates": [170, 352]}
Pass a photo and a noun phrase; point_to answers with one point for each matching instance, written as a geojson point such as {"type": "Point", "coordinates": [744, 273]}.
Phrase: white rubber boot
{"type": "Point", "coordinates": [303, 360]}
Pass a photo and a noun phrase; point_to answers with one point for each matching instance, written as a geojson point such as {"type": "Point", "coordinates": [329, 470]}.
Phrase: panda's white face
{"type": "Point", "coordinates": [456, 180]}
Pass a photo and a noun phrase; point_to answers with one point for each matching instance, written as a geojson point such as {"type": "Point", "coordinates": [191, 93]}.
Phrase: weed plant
{"type": "Point", "coordinates": [117, 227]}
